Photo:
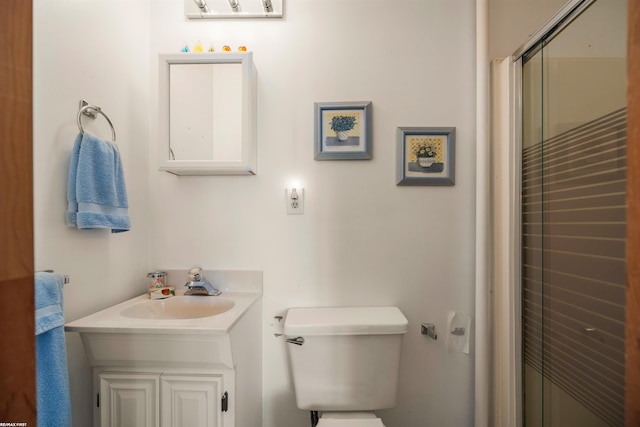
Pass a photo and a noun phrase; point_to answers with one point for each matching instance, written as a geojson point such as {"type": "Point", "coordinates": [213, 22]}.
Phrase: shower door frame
{"type": "Point", "coordinates": [510, 413]}
{"type": "Point", "coordinates": [562, 19]}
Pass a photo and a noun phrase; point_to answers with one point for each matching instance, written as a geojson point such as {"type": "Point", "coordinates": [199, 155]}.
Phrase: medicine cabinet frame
{"type": "Point", "coordinates": [247, 165]}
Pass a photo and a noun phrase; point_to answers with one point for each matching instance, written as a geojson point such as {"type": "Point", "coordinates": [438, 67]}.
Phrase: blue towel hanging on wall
{"type": "Point", "coordinates": [96, 191]}
{"type": "Point", "coordinates": [52, 377]}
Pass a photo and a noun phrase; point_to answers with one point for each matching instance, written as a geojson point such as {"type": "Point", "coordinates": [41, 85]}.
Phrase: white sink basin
{"type": "Point", "coordinates": [181, 332]}
{"type": "Point", "coordinates": [181, 307]}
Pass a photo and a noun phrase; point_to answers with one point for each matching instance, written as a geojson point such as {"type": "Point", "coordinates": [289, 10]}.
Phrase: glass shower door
{"type": "Point", "coordinates": [573, 222]}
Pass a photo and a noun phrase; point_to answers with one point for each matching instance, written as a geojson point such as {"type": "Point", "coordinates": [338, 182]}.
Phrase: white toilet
{"type": "Point", "coordinates": [344, 361]}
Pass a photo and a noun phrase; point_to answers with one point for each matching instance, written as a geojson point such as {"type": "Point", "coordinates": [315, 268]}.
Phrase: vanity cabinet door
{"type": "Point", "coordinates": [191, 401]}
{"type": "Point", "coordinates": [129, 400]}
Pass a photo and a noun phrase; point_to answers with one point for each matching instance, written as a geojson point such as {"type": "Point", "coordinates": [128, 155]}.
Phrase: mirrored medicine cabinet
{"type": "Point", "coordinates": [207, 108]}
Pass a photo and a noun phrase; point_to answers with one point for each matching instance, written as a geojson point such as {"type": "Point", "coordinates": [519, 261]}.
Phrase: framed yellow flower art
{"type": "Point", "coordinates": [426, 156]}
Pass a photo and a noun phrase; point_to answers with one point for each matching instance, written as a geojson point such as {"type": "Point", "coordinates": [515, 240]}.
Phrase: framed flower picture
{"type": "Point", "coordinates": [343, 131]}
{"type": "Point", "coordinates": [425, 156]}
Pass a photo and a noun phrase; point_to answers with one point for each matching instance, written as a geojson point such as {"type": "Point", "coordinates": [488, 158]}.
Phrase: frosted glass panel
{"type": "Point", "coordinates": [574, 222]}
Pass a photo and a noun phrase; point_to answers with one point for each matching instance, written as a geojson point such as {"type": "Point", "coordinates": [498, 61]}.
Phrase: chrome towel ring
{"type": "Point", "coordinates": [93, 111]}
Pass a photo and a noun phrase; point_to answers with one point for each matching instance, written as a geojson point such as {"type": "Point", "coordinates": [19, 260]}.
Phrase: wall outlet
{"type": "Point", "coordinates": [294, 198]}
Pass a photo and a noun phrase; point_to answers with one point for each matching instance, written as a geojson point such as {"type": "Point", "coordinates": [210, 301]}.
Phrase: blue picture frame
{"type": "Point", "coordinates": [343, 131]}
{"type": "Point", "coordinates": [425, 156]}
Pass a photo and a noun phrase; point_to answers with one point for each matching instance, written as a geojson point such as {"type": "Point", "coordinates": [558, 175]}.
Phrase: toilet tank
{"type": "Point", "coordinates": [345, 358]}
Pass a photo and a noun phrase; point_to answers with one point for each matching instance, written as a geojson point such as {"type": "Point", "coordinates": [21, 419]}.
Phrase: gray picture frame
{"type": "Point", "coordinates": [414, 167]}
{"type": "Point", "coordinates": [354, 143]}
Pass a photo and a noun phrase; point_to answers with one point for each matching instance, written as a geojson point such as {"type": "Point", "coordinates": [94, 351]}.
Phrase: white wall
{"type": "Point", "coordinates": [98, 51]}
{"type": "Point", "coordinates": [362, 239]}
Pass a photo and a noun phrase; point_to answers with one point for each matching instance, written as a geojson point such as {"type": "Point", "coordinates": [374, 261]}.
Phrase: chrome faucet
{"type": "Point", "coordinates": [198, 285]}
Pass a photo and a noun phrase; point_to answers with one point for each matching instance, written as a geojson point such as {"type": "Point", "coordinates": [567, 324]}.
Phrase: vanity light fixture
{"type": "Point", "coordinates": [235, 5]}
{"type": "Point", "coordinates": [202, 5]}
{"type": "Point", "coordinates": [267, 5]}
{"type": "Point", "coordinates": [233, 9]}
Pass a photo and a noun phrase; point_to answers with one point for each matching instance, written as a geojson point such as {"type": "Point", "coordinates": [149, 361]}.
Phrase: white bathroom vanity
{"type": "Point", "coordinates": [185, 360]}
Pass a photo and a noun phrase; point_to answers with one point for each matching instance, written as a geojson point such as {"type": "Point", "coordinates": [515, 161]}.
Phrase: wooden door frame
{"type": "Point", "coordinates": [633, 216]}
{"type": "Point", "coordinates": [17, 340]}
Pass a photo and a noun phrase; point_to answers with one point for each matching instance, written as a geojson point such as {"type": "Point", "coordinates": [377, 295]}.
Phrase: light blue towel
{"type": "Point", "coordinates": [96, 192]}
{"type": "Point", "coordinates": [52, 377]}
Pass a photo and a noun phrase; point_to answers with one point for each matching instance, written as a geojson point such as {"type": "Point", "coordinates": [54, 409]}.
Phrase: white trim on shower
{"type": "Point", "coordinates": [505, 195]}
{"type": "Point", "coordinates": [482, 393]}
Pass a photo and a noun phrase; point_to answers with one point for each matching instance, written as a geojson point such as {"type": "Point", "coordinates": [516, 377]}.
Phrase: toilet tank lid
{"type": "Point", "coordinates": [345, 321]}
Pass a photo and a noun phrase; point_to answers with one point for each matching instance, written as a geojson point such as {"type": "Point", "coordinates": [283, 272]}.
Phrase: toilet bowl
{"type": "Point", "coordinates": [345, 361]}
{"type": "Point", "coordinates": [349, 419]}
